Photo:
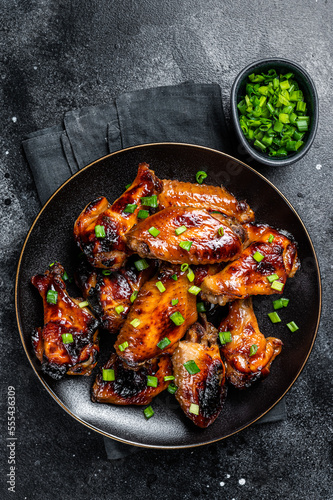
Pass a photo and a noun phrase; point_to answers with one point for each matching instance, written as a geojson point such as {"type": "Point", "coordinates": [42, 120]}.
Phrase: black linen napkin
{"type": "Point", "coordinates": [189, 113]}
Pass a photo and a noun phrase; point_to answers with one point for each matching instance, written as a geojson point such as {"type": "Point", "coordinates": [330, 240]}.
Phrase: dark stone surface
{"type": "Point", "coordinates": [62, 54]}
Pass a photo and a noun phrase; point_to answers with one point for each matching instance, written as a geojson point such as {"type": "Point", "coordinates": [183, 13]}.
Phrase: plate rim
{"type": "Point", "coordinates": [18, 321]}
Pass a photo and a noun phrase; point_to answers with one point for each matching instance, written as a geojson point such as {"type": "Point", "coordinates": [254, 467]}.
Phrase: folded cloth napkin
{"type": "Point", "coordinates": [189, 113]}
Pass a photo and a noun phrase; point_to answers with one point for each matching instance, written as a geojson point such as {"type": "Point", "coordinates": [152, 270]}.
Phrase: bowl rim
{"type": "Point", "coordinates": [266, 160]}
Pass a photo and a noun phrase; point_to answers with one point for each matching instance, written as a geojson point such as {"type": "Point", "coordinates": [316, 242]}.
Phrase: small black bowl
{"type": "Point", "coordinates": [306, 84]}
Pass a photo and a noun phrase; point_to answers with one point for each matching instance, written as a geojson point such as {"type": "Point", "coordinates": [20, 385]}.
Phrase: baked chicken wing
{"type": "Point", "coordinates": [199, 375]}
{"type": "Point", "coordinates": [186, 194]}
{"type": "Point", "coordinates": [158, 318]}
{"type": "Point", "coordinates": [210, 238]}
{"type": "Point", "coordinates": [270, 255]}
{"type": "Point", "coordinates": [249, 355]}
{"type": "Point", "coordinates": [129, 387]}
{"type": "Point", "coordinates": [100, 229]}
{"type": "Point", "coordinates": [68, 342]}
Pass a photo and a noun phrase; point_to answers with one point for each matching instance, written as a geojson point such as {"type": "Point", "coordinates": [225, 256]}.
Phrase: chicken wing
{"type": "Point", "coordinates": [100, 229]}
{"type": "Point", "coordinates": [130, 386]}
{"type": "Point", "coordinates": [211, 238]}
{"type": "Point", "coordinates": [249, 355]}
{"type": "Point", "coordinates": [68, 342]}
{"type": "Point", "coordinates": [270, 253]}
{"type": "Point", "coordinates": [108, 290]}
{"type": "Point", "coordinates": [199, 394]}
{"type": "Point", "coordinates": [153, 317]}
{"type": "Point", "coordinates": [186, 194]}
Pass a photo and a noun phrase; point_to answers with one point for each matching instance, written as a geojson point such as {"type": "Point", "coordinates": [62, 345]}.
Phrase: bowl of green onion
{"type": "Point", "coordinates": [274, 108]}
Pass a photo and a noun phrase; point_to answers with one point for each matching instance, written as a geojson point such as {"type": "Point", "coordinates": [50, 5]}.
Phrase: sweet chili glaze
{"type": "Point", "coordinates": [186, 194]}
{"type": "Point", "coordinates": [153, 309]}
{"type": "Point", "coordinates": [208, 246]}
{"type": "Point", "coordinates": [242, 368]}
{"type": "Point", "coordinates": [245, 276]}
{"type": "Point", "coordinates": [130, 386]}
{"type": "Point", "coordinates": [64, 317]}
{"type": "Point", "coordinates": [206, 388]}
{"type": "Point", "coordinates": [111, 251]}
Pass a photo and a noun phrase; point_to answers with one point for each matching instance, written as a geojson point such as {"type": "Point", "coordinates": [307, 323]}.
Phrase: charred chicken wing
{"type": "Point", "coordinates": [100, 229]}
{"type": "Point", "coordinates": [158, 318]}
{"type": "Point", "coordinates": [187, 235]}
{"type": "Point", "coordinates": [186, 194]}
{"type": "Point", "coordinates": [249, 355]}
{"type": "Point", "coordinates": [262, 269]}
{"type": "Point", "coordinates": [129, 387]}
{"type": "Point", "coordinates": [68, 341]}
{"type": "Point", "coordinates": [199, 375]}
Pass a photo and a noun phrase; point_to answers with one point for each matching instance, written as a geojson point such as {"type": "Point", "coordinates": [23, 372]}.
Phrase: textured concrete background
{"type": "Point", "coordinates": [62, 54]}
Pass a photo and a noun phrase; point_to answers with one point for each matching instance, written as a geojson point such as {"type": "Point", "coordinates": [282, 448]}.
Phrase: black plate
{"type": "Point", "coordinates": [50, 238]}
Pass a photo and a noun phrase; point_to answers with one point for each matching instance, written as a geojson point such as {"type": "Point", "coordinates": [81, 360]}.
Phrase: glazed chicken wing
{"type": "Point", "coordinates": [100, 229]}
{"type": "Point", "coordinates": [153, 318]}
{"type": "Point", "coordinates": [107, 290]}
{"type": "Point", "coordinates": [249, 355]}
{"type": "Point", "coordinates": [68, 341]}
{"type": "Point", "coordinates": [186, 194]}
{"type": "Point", "coordinates": [129, 387]}
{"type": "Point", "coordinates": [270, 253]}
{"type": "Point", "coordinates": [211, 238]}
{"type": "Point", "coordinates": [200, 394]}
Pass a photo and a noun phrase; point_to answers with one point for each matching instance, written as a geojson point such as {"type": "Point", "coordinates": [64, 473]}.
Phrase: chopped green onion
{"type": "Point", "coordinates": [148, 412]}
{"type": "Point", "coordinates": [141, 264]}
{"type": "Point", "coordinates": [191, 367]}
{"type": "Point", "coordinates": [215, 212]}
{"type": "Point", "coordinates": [186, 245]}
{"type": "Point", "coordinates": [52, 264]}
{"type": "Point", "coordinates": [135, 322]}
{"type": "Point", "coordinates": [277, 285]}
{"type": "Point", "coordinates": [67, 338]}
{"type": "Point", "coordinates": [253, 349]}
{"type": "Point", "coordinates": [272, 278]}
{"type": "Point", "coordinates": [130, 208]}
{"type": "Point", "coordinates": [152, 381]}
{"type": "Point", "coordinates": [278, 304]}
{"type": "Point", "coordinates": [194, 409]}
{"type": "Point", "coordinates": [174, 302]}
{"type": "Point", "coordinates": [184, 267]}
{"type": "Point", "coordinates": [292, 326]}
{"type": "Point", "coordinates": [201, 307]}
{"type": "Point", "coordinates": [100, 231]}
{"type": "Point", "coordinates": [174, 277]}
{"type": "Point", "coordinates": [85, 303]}
{"type": "Point", "coordinates": [270, 238]}
{"type": "Point", "coordinates": [225, 337]}
{"type": "Point", "coordinates": [164, 343]}
{"type": "Point", "coordinates": [180, 230]}
{"type": "Point", "coordinates": [143, 214]}
{"type": "Point", "coordinates": [65, 276]}
{"type": "Point", "coordinates": [168, 377]}
{"type": "Point", "coordinates": [221, 231]}
{"type": "Point", "coordinates": [119, 309]}
{"type": "Point", "coordinates": [123, 346]}
{"type": "Point", "coordinates": [284, 301]}
{"type": "Point", "coordinates": [51, 297]}
{"type": "Point", "coordinates": [134, 296]}
{"type": "Point", "coordinates": [128, 186]}
{"type": "Point", "coordinates": [106, 272]}
{"type": "Point", "coordinates": [190, 275]}
{"type": "Point", "coordinates": [153, 231]}
{"type": "Point", "coordinates": [194, 290]}
{"type": "Point", "coordinates": [108, 375]}
{"type": "Point", "coordinates": [177, 318]}
{"type": "Point", "coordinates": [150, 201]}
{"type": "Point", "coordinates": [258, 256]}
{"type": "Point", "coordinates": [200, 176]}
{"type": "Point", "coordinates": [274, 317]}
{"type": "Point", "coordinates": [160, 286]}
{"type": "Point", "coordinates": [302, 125]}
{"type": "Point", "coordinates": [172, 388]}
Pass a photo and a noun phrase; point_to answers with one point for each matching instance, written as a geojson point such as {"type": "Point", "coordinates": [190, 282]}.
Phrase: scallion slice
{"type": "Point", "coordinates": [65, 276]}
{"type": "Point", "coordinates": [51, 296]}
{"type": "Point", "coordinates": [164, 343]}
{"type": "Point", "coordinates": [221, 231]}
{"type": "Point", "coordinates": [153, 231]}
{"type": "Point", "coordinates": [130, 208]}
{"type": "Point", "coordinates": [143, 214]}
{"type": "Point", "coordinates": [272, 278]}
{"type": "Point", "coordinates": [225, 337]}
{"type": "Point", "coordinates": [191, 367]}
{"type": "Point", "coordinates": [160, 286]}
{"type": "Point", "coordinates": [106, 272]}
{"type": "Point", "coordinates": [277, 285]}
{"type": "Point", "coordinates": [119, 309]}
{"type": "Point", "coordinates": [174, 302]}
{"type": "Point", "coordinates": [180, 230]}
{"type": "Point", "coordinates": [123, 346]}
{"type": "Point", "coordinates": [277, 304]}
{"type": "Point", "coordinates": [184, 267]}
{"type": "Point", "coordinates": [134, 296]}
{"type": "Point", "coordinates": [168, 377]}
{"type": "Point", "coordinates": [274, 317]}
{"type": "Point", "coordinates": [172, 388]}
{"type": "Point", "coordinates": [253, 349]}
{"type": "Point", "coordinates": [135, 322]}
{"type": "Point", "coordinates": [190, 275]}
{"type": "Point", "coordinates": [194, 290]}
{"type": "Point", "coordinates": [141, 264]}
{"type": "Point", "coordinates": [258, 256]}
{"type": "Point", "coordinates": [185, 245]}
{"type": "Point", "coordinates": [201, 307]}
{"type": "Point", "coordinates": [177, 318]}
{"type": "Point", "coordinates": [67, 338]}
{"type": "Point", "coordinates": [100, 231]}
{"type": "Point", "coordinates": [194, 409]}
{"type": "Point", "coordinates": [108, 375]}
{"type": "Point", "coordinates": [270, 238]}
{"type": "Point", "coordinates": [200, 176]}
{"type": "Point", "coordinates": [83, 304]}
{"type": "Point", "coordinates": [292, 326]}
{"type": "Point", "coordinates": [152, 381]}
{"type": "Point", "coordinates": [148, 412]}
{"type": "Point", "coordinates": [174, 277]}
{"type": "Point", "coordinates": [150, 201]}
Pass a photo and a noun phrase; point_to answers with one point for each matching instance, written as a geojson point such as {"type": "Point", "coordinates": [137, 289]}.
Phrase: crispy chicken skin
{"type": "Point", "coordinates": [242, 369]}
{"type": "Point", "coordinates": [153, 309]}
{"type": "Point", "coordinates": [186, 194]}
{"type": "Point", "coordinates": [245, 276]}
{"type": "Point", "coordinates": [130, 386]}
{"type": "Point", "coordinates": [208, 246]}
{"type": "Point", "coordinates": [106, 292]}
{"type": "Point", "coordinates": [65, 317]}
{"type": "Point", "coordinates": [110, 251]}
{"type": "Point", "coordinates": [205, 388]}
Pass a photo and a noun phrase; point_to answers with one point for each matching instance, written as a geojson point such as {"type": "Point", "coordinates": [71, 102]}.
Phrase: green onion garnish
{"type": "Point", "coordinates": [184, 267]}
{"type": "Point", "coordinates": [270, 238]}
{"type": "Point", "coordinates": [253, 349]}
{"type": "Point", "coordinates": [106, 272]}
{"type": "Point", "coordinates": [160, 286]}
{"type": "Point", "coordinates": [174, 302]}
{"type": "Point", "coordinates": [284, 301]}
{"type": "Point", "coordinates": [143, 214]}
{"type": "Point", "coordinates": [123, 346]}
{"type": "Point", "coordinates": [85, 303]}
{"type": "Point", "coordinates": [52, 264]}
{"type": "Point", "coordinates": [67, 338]}
{"type": "Point", "coordinates": [225, 337]}
{"type": "Point", "coordinates": [172, 388]}
{"type": "Point", "coordinates": [51, 297]}
{"type": "Point", "coordinates": [191, 367]}
{"type": "Point", "coordinates": [174, 277]}
{"type": "Point", "coordinates": [152, 381]}
{"type": "Point", "coordinates": [180, 230]}
{"type": "Point", "coordinates": [108, 375]}
{"type": "Point", "coordinates": [279, 303]}
{"type": "Point", "coordinates": [177, 318]}
{"type": "Point", "coordinates": [128, 186]}
{"type": "Point", "coordinates": [150, 201]}
{"type": "Point", "coordinates": [200, 176]}
{"type": "Point", "coordinates": [163, 343]}
{"type": "Point", "coordinates": [201, 307]}
{"type": "Point", "coordinates": [168, 377]}
{"type": "Point", "coordinates": [277, 285]}
{"type": "Point", "coordinates": [186, 245]}
{"type": "Point", "coordinates": [148, 412]}
{"type": "Point", "coordinates": [272, 277]}
{"type": "Point", "coordinates": [141, 264]}
{"type": "Point", "coordinates": [134, 296]}
{"type": "Point", "coordinates": [221, 231]}
{"type": "Point", "coordinates": [65, 276]}
{"type": "Point", "coordinates": [194, 290]}
{"type": "Point", "coordinates": [130, 208]}
{"type": "Point", "coordinates": [292, 326]}
{"type": "Point", "coordinates": [274, 317]}
{"type": "Point", "coordinates": [258, 256]}
{"type": "Point", "coordinates": [135, 322]}
{"type": "Point", "coordinates": [194, 409]}
{"type": "Point", "coordinates": [190, 275]}
{"type": "Point", "coordinates": [100, 231]}
{"type": "Point", "coordinates": [119, 309]}
{"type": "Point", "coordinates": [153, 231]}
